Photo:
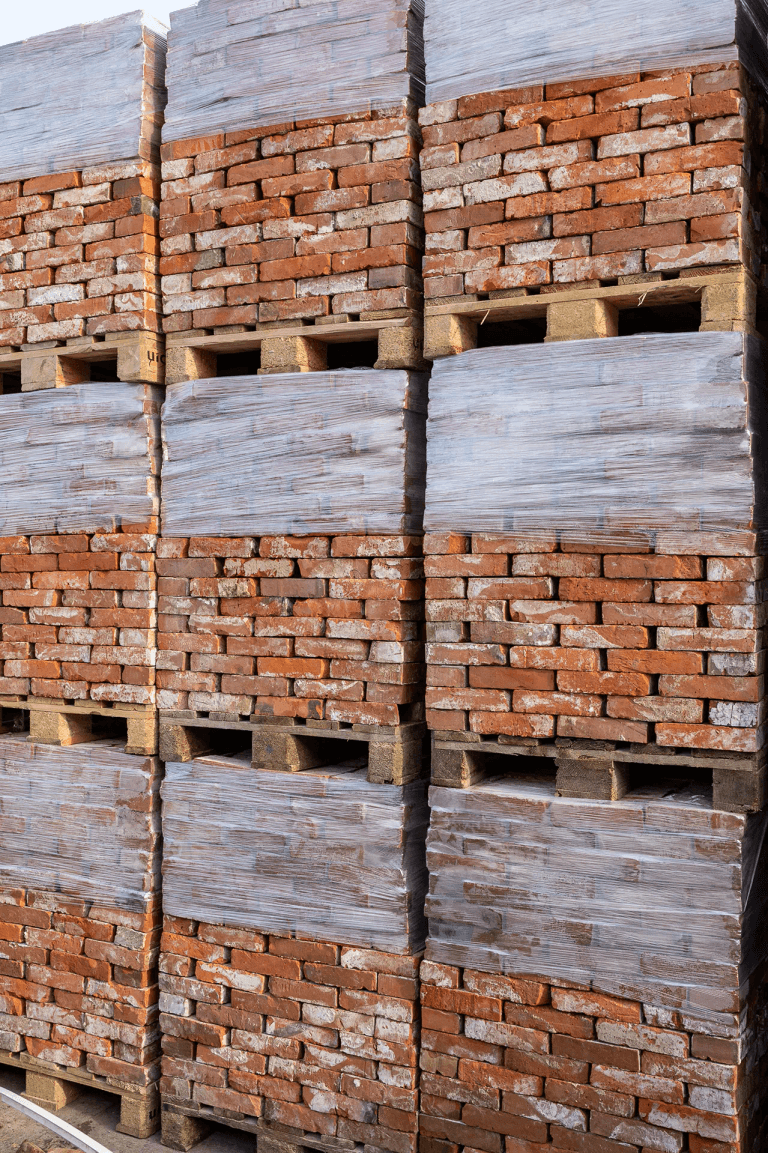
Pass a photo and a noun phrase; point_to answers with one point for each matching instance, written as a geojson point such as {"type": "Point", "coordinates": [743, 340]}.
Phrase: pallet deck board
{"type": "Point", "coordinates": [600, 770]}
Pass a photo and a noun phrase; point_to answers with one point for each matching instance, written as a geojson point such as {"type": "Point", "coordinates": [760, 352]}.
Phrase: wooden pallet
{"type": "Point", "coordinates": [600, 770]}
{"type": "Point", "coordinates": [52, 1087]}
{"type": "Point", "coordinates": [54, 722]}
{"type": "Point", "coordinates": [185, 1124]}
{"type": "Point", "coordinates": [395, 754]}
{"type": "Point", "coordinates": [132, 357]}
{"type": "Point", "coordinates": [728, 298]}
{"type": "Point", "coordinates": [296, 346]}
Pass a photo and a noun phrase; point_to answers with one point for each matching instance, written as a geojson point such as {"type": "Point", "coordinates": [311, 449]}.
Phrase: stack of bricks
{"type": "Point", "coordinates": [78, 240]}
{"type": "Point", "coordinates": [79, 254]}
{"type": "Point", "coordinates": [305, 1036]}
{"type": "Point", "coordinates": [657, 640]}
{"type": "Point", "coordinates": [80, 921]}
{"type": "Point", "coordinates": [524, 1064]}
{"type": "Point", "coordinates": [79, 985]}
{"type": "Point", "coordinates": [293, 221]}
{"type": "Point", "coordinates": [320, 627]}
{"type": "Point", "coordinates": [643, 173]}
{"type": "Point", "coordinates": [78, 617]}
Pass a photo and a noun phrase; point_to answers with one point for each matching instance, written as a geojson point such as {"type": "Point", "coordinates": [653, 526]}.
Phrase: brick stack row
{"type": "Point", "coordinates": [80, 904]}
{"type": "Point", "coordinates": [290, 575]}
{"type": "Point", "coordinates": [594, 567]}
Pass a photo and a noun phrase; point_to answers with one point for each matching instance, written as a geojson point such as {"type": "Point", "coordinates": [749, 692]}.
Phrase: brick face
{"type": "Point", "coordinates": [79, 254]}
{"type": "Point", "coordinates": [77, 616]}
{"type": "Point", "coordinates": [616, 167]}
{"type": "Point", "coordinates": [287, 223]}
{"type": "Point", "coordinates": [315, 1036]}
{"type": "Point", "coordinates": [79, 985]}
{"type": "Point", "coordinates": [587, 1072]}
{"type": "Point", "coordinates": [316, 627]}
{"type": "Point", "coordinates": [611, 645]}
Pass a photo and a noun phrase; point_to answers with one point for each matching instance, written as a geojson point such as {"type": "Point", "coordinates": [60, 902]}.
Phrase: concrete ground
{"type": "Point", "coordinates": [96, 1114]}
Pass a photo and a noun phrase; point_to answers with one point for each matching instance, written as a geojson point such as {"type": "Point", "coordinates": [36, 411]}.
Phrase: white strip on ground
{"type": "Point", "coordinates": [52, 1122]}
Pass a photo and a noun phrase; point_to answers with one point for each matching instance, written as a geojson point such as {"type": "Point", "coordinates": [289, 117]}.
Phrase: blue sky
{"type": "Point", "coordinates": [21, 21]}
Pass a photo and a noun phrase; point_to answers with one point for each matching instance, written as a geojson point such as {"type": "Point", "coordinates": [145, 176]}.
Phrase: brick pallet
{"type": "Point", "coordinates": [571, 993]}
{"type": "Point", "coordinates": [292, 201]}
{"type": "Point", "coordinates": [80, 921]}
{"type": "Point", "coordinates": [316, 221]}
{"type": "Point", "coordinates": [79, 194]}
{"type": "Point", "coordinates": [289, 994]}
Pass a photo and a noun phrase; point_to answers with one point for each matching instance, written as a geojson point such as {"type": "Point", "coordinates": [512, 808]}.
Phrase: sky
{"type": "Point", "coordinates": [20, 21]}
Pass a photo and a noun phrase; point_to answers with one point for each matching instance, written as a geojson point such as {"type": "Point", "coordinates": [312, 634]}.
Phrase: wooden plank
{"type": "Point", "coordinates": [227, 342]}
{"type": "Point", "coordinates": [648, 295]}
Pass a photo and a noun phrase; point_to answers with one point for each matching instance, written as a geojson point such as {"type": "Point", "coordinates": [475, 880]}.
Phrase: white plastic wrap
{"type": "Point", "coordinates": [82, 821]}
{"type": "Point", "coordinates": [473, 47]}
{"type": "Point", "coordinates": [661, 900]}
{"type": "Point", "coordinates": [79, 458]}
{"type": "Point", "coordinates": [79, 96]}
{"type": "Point", "coordinates": [655, 431]}
{"type": "Point", "coordinates": [242, 63]}
{"type": "Point", "coordinates": [328, 452]}
{"type": "Point", "coordinates": [322, 853]}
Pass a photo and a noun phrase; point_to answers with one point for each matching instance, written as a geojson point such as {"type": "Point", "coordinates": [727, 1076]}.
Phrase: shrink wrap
{"type": "Point", "coordinates": [649, 432]}
{"type": "Point", "coordinates": [80, 96]}
{"type": "Point", "coordinates": [315, 452]}
{"type": "Point", "coordinates": [657, 898]}
{"type": "Point", "coordinates": [82, 821]}
{"type": "Point", "coordinates": [322, 853]}
{"type": "Point", "coordinates": [80, 458]}
{"type": "Point", "coordinates": [235, 65]}
{"type": "Point", "coordinates": [473, 48]}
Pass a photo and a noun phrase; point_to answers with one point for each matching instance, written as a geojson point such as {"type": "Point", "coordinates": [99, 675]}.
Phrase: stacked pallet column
{"type": "Point", "coordinates": [291, 655]}
{"type": "Point", "coordinates": [595, 563]}
{"type": "Point", "coordinates": [80, 363]}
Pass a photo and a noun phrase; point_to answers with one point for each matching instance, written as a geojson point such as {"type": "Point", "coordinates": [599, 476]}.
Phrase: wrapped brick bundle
{"type": "Point", "coordinates": [321, 852]}
{"type": "Point", "coordinates": [589, 142]}
{"type": "Point", "coordinates": [291, 192]}
{"type": "Point", "coordinates": [302, 596]}
{"type": "Point", "coordinates": [80, 110]}
{"type": "Point", "coordinates": [594, 971]}
{"type": "Point", "coordinates": [599, 573]}
{"type": "Point", "coordinates": [469, 50]}
{"type": "Point", "coordinates": [80, 920]}
{"type": "Point", "coordinates": [343, 453]}
{"type": "Point", "coordinates": [79, 513]}
{"type": "Point", "coordinates": [293, 911]}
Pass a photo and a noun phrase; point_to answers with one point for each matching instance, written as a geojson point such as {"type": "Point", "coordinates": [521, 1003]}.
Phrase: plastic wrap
{"type": "Point", "coordinates": [79, 458]}
{"type": "Point", "coordinates": [655, 899]}
{"type": "Point", "coordinates": [327, 452]}
{"type": "Point", "coordinates": [655, 431]}
{"type": "Point", "coordinates": [239, 64]}
{"type": "Point", "coordinates": [474, 48]}
{"type": "Point", "coordinates": [79, 96]}
{"type": "Point", "coordinates": [79, 821]}
{"type": "Point", "coordinates": [322, 853]}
